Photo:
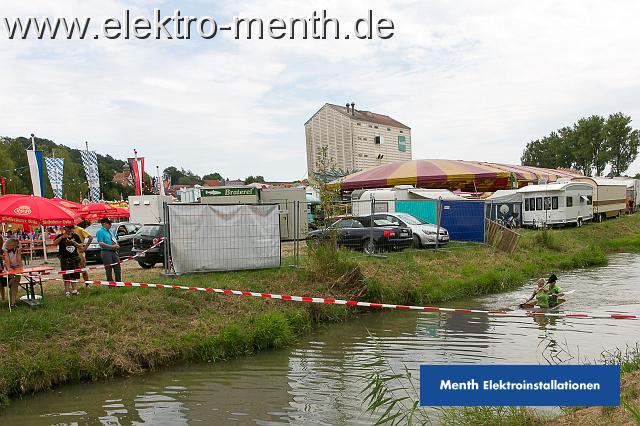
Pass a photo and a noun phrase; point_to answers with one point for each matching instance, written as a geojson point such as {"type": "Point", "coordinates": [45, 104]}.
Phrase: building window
{"type": "Point", "coordinates": [401, 131]}
{"type": "Point", "coordinates": [402, 144]}
{"type": "Point", "coordinates": [370, 125]}
{"type": "Point", "coordinates": [569, 201]}
{"type": "Point", "coordinates": [547, 203]}
{"type": "Point", "coordinates": [377, 140]}
{"type": "Point", "coordinates": [554, 203]}
{"type": "Point", "coordinates": [364, 139]}
{"type": "Point", "coordinates": [358, 124]}
{"type": "Point", "coordinates": [539, 203]}
{"type": "Point", "coordinates": [375, 127]}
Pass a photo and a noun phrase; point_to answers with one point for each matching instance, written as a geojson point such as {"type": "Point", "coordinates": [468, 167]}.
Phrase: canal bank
{"type": "Point", "coordinates": [320, 378]}
{"type": "Point", "coordinates": [113, 332]}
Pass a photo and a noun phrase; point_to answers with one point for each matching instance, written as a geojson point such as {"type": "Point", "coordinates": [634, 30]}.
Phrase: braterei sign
{"type": "Point", "coordinates": [227, 192]}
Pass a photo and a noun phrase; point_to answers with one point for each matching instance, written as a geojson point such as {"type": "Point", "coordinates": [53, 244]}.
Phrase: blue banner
{"type": "Point", "coordinates": [520, 385]}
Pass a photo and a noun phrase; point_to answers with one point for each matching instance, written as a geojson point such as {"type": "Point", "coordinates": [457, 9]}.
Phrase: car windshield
{"type": "Point", "coordinates": [150, 230]}
{"type": "Point", "coordinates": [93, 229]}
{"type": "Point", "coordinates": [410, 220]}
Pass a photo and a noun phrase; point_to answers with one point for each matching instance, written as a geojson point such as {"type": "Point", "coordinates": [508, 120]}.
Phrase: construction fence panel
{"type": "Point", "coordinates": [214, 237]}
{"type": "Point", "coordinates": [464, 220]}
{"type": "Point", "coordinates": [426, 210]}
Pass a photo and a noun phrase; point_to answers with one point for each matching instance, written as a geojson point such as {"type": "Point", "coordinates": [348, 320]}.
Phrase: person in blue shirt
{"type": "Point", "coordinates": [109, 250]}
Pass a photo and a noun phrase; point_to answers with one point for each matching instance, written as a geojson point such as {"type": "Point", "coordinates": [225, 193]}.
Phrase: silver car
{"type": "Point", "coordinates": [424, 234]}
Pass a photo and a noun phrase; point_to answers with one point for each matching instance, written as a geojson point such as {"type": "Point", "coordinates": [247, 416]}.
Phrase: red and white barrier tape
{"type": "Point", "coordinates": [95, 268]}
{"type": "Point", "coordinates": [322, 300]}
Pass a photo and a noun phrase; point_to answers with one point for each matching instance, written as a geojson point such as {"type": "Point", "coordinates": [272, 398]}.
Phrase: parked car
{"type": "Point", "coordinates": [124, 232]}
{"type": "Point", "coordinates": [424, 233]}
{"type": "Point", "coordinates": [355, 233]}
{"type": "Point", "coordinates": [146, 237]}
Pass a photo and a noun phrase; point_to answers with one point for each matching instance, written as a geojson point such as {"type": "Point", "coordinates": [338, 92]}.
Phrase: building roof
{"type": "Point", "coordinates": [122, 178]}
{"type": "Point", "coordinates": [211, 182]}
{"type": "Point", "coordinates": [368, 116]}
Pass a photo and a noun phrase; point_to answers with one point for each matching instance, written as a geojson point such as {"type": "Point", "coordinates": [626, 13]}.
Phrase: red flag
{"type": "Point", "coordinates": [137, 171]}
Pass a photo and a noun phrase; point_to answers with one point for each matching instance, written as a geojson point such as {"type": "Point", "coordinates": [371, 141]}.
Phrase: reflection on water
{"type": "Point", "coordinates": [320, 380]}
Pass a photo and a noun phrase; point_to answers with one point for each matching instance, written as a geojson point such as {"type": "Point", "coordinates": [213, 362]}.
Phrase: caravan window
{"type": "Point", "coordinates": [526, 204]}
{"type": "Point", "coordinates": [539, 203]}
{"type": "Point", "coordinates": [569, 201]}
{"type": "Point", "coordinates": [554, 203]}
{"type": "Point", "coordinates": [589, 200]}
{"type": "Point", "coordinates": [547, 203]}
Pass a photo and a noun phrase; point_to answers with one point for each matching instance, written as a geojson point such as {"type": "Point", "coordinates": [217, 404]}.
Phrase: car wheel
{"type": "Point", "coordinates": [369, 246]}
{"type": "Point", "coordinates": [146, 265]}
{"type": "Point", "coordinates": [416, 242]}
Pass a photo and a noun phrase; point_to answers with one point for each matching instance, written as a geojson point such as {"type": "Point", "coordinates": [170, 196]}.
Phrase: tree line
{"type": "Point", "coordinates": [594, 145]}
{"type": "Point", "coordinates": [188, 178]}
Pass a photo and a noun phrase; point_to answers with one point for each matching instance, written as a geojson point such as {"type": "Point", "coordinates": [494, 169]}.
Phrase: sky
{"type": "Point", "coordinates": [475, 80]}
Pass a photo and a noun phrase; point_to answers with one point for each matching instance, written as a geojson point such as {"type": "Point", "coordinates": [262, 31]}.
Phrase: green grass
{"type": "Point", "coordinates": [108, 332]}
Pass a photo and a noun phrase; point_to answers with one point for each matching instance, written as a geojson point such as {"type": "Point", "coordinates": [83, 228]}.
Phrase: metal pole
{"type": "Point", "coordinates": [44, 245]}
{"type": "Point", "coordinates": [373, 207]}
{"type": "Point", "coordinates": [438, 213]}
{"type": "Point", "coordinates": [297, 232]}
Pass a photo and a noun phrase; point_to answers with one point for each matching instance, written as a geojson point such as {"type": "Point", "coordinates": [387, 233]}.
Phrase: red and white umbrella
{"type": "Point", "coordinates": [97, 209]}
{"type": "Point", "coordinates": [73, 206]}
{"type": "Point", "coordinates": [32, 210]}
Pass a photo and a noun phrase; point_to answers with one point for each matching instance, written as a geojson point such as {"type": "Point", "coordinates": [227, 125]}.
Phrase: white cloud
{"type": "Point", "coordinates": [474, 80]}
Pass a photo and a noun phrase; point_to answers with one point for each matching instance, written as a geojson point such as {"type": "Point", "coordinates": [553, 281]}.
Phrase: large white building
{"type": "Point", "coordinates": [355, 140]}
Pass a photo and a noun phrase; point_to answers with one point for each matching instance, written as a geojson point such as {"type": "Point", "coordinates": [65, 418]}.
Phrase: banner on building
{"type": "Point", "coordinates": [55, 170]}
{"type": "Point", "coordinates": [137, 172]}
{"type": "Point", "coordinates": [90, 163]}
{"type": "Point", "coordinates": [37, 172]}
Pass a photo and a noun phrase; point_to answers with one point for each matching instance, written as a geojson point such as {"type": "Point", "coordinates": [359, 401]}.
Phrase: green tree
{"type": "Point", "coordinates": [622, 142]}
{"type": "Point", "coordinates": [254, 179]}
{"type": "Point", "coordinates": [551, 151]}
{"type": "Point", "coordinates": [13, 182]}
{"type": "Point", "coordinates": [589, 145]}
{"type": "Point", "coordinates": [212, 176]}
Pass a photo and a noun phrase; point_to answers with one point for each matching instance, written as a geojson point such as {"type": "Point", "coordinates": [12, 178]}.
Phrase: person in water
{"type": "Point", "coordinates": [539, 286]}
{"type": "Point", "coordinates": [554, 291]}
{"type": "Point", "coordinates": [542, 295]}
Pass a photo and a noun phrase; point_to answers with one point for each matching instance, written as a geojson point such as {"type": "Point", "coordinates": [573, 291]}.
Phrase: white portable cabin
{"type": "Point", "coordinates": [385, 198]}
{"type": "Point", "coordinates": [147, 209]}
{"type": "Point", "coordinates": [556, 204]}
{"type": "Point", "coordinates": [633, 193]}
{"type": "Point", "coordinates": [293, 210]}
{"type": "Point", "coordinates": [609, 196]}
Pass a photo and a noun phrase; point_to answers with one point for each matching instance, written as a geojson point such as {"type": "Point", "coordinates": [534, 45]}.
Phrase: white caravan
{"type": "Point", "coordinates": [557, 204]}
{"type": "Point", "coordinates": [386, 197]}
{"type": "Point", "coordinates": [609, 196]}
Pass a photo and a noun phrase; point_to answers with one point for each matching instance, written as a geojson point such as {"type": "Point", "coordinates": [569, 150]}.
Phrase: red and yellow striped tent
{"type": "Point", "coordinates": [450, 174]}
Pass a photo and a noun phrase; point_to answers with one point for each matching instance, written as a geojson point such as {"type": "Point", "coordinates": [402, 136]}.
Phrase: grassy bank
{"type": "Point", "coordinates": [108, 332]}
{"type": "Point", "coordinates": [626, 414]}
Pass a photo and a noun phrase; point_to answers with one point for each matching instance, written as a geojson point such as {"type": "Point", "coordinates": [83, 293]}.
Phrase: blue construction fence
{"type": "Point", "coordinates": [464, 220]}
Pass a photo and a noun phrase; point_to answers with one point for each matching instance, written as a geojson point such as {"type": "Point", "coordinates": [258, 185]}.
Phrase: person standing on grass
{"type": "Point", "coordinates": [69, 246]}
{"type": "Point", "coordinates": [86, 239]}
{"type": "Point", "coordinates": [109, 250]}
{"type": "Point", "coordinates": [12, 261]}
